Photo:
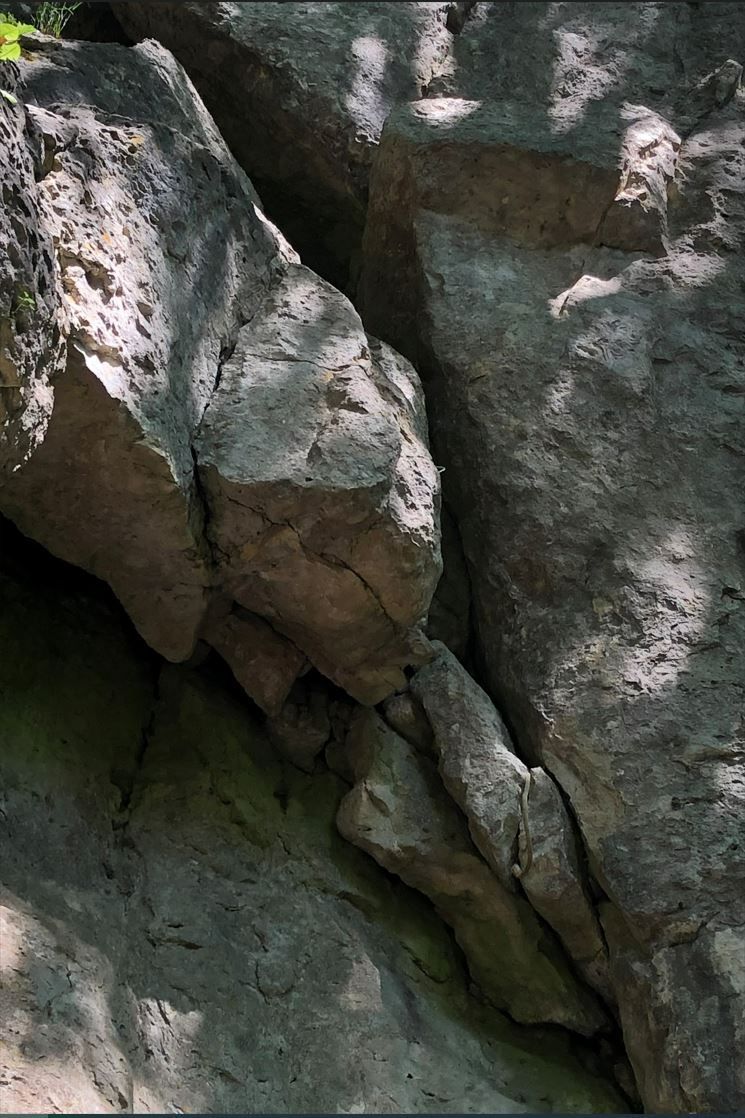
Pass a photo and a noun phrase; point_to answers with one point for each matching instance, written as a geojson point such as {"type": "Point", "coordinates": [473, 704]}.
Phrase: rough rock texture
{"type": "Point", "coordinates": [323, 497]}
{"type": "Point", "coordinates": [477, 760]}
{"type": "Point", "coordinates": [449, 617]}
{"type": "Point", "coordinates": [553, 880]}
{"type": "Point", "coordinates": [405, 714]}
{"type": "Point", "coordinates": [586, 394]}
{"type": "Point", "coordinates": [399, 812]}
{"type": "Point", "coordinates": [131, 166]}
{"type": "Point", "coordinates": [223, 431]}
{"type": "Point", "coordinates": [301, 92]}
{"type": "Point", "coordinates": [30, 336]}
{"type": "Point", "coordinates": [303, 727]}
{"type": "Point", "coordinates": [265, 664]}
{"type": "Point", "coordinates": [182, 929]}
{"type": "Point", "coordinates": [515, 815]}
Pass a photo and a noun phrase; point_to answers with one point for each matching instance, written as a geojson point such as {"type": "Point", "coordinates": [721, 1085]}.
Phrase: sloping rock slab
{"type": "Point", "coordinates": [399, 812]}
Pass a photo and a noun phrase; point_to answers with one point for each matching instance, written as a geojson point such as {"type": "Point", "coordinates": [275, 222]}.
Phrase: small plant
{"type": "Point", "coordinates": [25, 301]}
{"type": "Point", "coordinates": [10, 32]}
{"type": "Point", "coordinates": [52, 19]}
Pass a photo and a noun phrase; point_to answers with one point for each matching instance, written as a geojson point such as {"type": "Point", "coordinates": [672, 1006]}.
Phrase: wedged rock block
{"type": "Point", "coordinates": [587, 404]}
{"type": "Point", "coordinates": [399, 812]}
{"type": "Point", "coordinates": [221, 436]}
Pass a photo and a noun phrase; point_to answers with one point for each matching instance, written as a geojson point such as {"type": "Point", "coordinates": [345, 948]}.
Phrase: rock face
{"type": "Point", "coordinates": [399, 812]}
{"type": "Point", "coordinates": [301, 92]}
{"type": "Point", "coordinates": [554, 236]}
{"type": "Point", "coordinates": [30, 312]}
{"type": "Point", "coordinates": [515, 815]}
{"type": "Point", "coordinates": [222, 444]}
{"type": "Point", "coordinates": [323, 497]}
{"type": "Point", "coordinates": [575, 313]}
{"type": "Point", "coordinates": [181, 926]}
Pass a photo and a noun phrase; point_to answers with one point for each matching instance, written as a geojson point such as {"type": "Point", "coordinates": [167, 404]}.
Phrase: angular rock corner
{"type": "Point", "coordinates": [509, 790]}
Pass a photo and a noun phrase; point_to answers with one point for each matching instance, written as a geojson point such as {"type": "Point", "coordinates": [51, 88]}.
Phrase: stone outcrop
{"type": "Point", "coordinates": [222, 443]}
{"type": "Point", "coordinates": [399, 812]}
{"type": "Point", "coordinates": [515, 815]}
{"type": "Point", "coordinates": [182, 928]}
{"type": "Point", "coordinates": [553, 204]}
{"type": "Point", "coordinates": [585, 391]}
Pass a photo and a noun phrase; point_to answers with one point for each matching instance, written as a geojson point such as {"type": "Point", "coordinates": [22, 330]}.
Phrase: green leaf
{"type": "Point", "coordinates": [11, 32]}
{"type": "Point", "coordinates": [10, 51]}
{"type": "Point", "coordinates": [8, 97]}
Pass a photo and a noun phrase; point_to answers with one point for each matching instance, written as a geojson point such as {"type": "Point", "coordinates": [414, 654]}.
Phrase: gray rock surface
{"type": "Point", "coordinates": [183, 929]}
{"type": "Point", "coordinates": [515, 815]}
{"type": "Point", "coordinates": [323, 498]}
{"type": "Point", "coordinates": [301, 92]}
{"type": "Point", "coordinates": [476, 758]}
{"type": "Point", "coordinates": [223, 436]}
{"type": "Point", "coordinates": [586, 400]}
{"type": "Point", "coordinates": [551, 875]}
{"type": "Point", "coordinates": [301, 730]}
{"type": "Point", "coordinates": [449, 618]}
{"type": "Point", "coordinates": [30, 311]}
{"type": "Point", "coordinates": [265, 664]}
{"type": "Point", "coordinates": [399, 812]}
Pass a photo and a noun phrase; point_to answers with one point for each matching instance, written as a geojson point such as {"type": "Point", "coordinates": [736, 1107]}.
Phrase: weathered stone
{"type": "Point", "coordinates": [571, 64]}
{"type": "Point", "coordinates": [315, 503]}
{"type": "Point", "coordinates": [587, 405]}
{"type": "Point", "coordinates": [110, 486]}
{"type": "Point", "coordinates": [511, 808]}
{"type": "Point", "coordinates": [550, 873]}
{"type": "Point", "coordinates": [477, 760]}
{"type": "Point", "coordinates": [181, 929]}
{"type": "Point", "coordinates": [302, 728]}
{"type": "Point", "coordinates": [30, 311]}
{"type": "Point", "coordinates": [323, 496]}
{"type": "Point", "coordinates": [301, 92]}
{"type": "Point", "coordinates": [399, 812]}
{"type": "Point", "coordinates": [265, 664]}
{"type": "Point", "coordinates": [449, 618]}
{"type": "Point", "coordinates": [406, 716]}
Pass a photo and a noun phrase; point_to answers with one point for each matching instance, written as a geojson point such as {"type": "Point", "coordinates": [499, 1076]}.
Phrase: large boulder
{"type": "Point", "coordinates": [586, 393]}
{"type": "Point", "coordinates": [323, 498]}
{"type": "Point", "coordinates": [222, 442]}
{"type": "Point", "coordinates": [301, 92]}
{"type": "Point", "coordinates": [181, 927]}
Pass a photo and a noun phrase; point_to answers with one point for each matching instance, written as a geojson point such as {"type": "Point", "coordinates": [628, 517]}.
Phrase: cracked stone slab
{"type": "Point", "coordinates": [476, 757]}
{"type": "Point", "coordinates": [512, 811]}
{"type": "Point", "coordinates": [552, 877]}
{"type": "Point", "coordinates": [323, 497]}
{"type": "Point", "coordinates": [399, 812]}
